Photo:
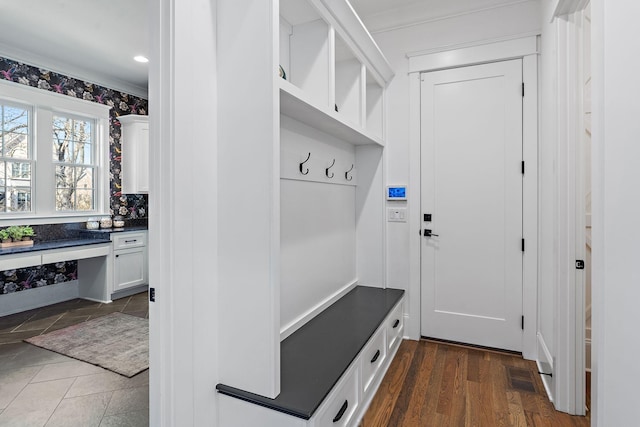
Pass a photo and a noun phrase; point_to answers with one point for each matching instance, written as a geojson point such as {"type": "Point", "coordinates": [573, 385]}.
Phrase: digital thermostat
{"type": "Point", "coordinates": [397, 192]}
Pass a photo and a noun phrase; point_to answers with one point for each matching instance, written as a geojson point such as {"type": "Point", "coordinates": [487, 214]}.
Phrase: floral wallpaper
{"type": "Point", "coordinates": [128, 205]}
{"type": "Point", "coordinates": [36, 277]}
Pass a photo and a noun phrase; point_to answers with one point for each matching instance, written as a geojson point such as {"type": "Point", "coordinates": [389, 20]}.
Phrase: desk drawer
{"type": "Point", "coordinates": [129, 240]}
{"type": "Point", "coordinates": [12, 262]}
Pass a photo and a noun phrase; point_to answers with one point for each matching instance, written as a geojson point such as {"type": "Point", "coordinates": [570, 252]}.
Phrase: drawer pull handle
{"type": "Point", "coordinates": [396, 323]}
{"type": "Point", "coordinates": [375, 356]}
{"type": "Point", "coordinates": [341, 412]}
{"type": "Point", "coordinates": [131, 241]}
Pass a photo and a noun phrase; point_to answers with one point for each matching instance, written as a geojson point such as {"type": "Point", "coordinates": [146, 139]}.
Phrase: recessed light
{"type": "Point", "coordinates": [141, 58]}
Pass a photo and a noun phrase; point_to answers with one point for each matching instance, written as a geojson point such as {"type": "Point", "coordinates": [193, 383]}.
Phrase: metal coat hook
{"type": "Point", "coordinates": [346, 174]}
{"type": "Point", "coordinates": [326, 171]}
{"type": "Point", "coordinates": [301, 164]}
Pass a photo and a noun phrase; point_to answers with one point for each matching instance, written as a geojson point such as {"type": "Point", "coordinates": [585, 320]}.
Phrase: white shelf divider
{"type": "Point", "coordinates": [296, 104]}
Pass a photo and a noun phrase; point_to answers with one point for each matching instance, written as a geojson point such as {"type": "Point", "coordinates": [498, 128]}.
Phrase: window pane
{"type": "Point", "coordinates": [2, 200]}
{"type": "Point", "coordinates": [62, 139]}
{"type": "Point", "coordinates": [64, 176]}
{"type": "Point", "coordinates": [84, 178]}
{"type": "Point", "coordinates": [82, 131]}
{"type": "Point", "coordinates": [74, 188]}
{"type": "Point", "coordinates": [65, 199]}
{"type": "Point", "coordinates": [18, 199]}
{"type": "Point", "coordinates": [85, 200]}
{"type": "Point", "coordinates": [83, 153]}
{"type": "Point", "coordinates": [15, 120]}
{"type": "Point", "coordinates": [14, 132]}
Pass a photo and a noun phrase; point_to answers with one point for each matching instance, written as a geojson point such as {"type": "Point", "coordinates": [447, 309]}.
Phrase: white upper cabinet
{"type": "Point", "coordinates": [134, 141]}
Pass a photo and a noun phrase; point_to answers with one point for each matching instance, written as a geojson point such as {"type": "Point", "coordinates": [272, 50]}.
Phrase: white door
{"type": "Point", "coordinates": [471, 149]}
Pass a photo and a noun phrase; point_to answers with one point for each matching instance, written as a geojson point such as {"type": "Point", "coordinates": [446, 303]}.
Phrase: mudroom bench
{"type": "Point", "coordinates": [330, 368]}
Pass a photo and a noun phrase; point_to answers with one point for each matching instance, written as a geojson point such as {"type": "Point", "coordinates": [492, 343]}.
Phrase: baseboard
{"type": "Point", "coordinates": [128, 292]}
{"type": "Point", "coordinates": [38, 297]}
{"type": "Point", "coordinates": [315, 310]}
{"type": "Point", "coordinates": [545, 363]}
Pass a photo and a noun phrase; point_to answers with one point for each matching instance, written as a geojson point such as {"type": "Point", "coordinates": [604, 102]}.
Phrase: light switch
{"type": "Point", "coordinates": [397, 214]}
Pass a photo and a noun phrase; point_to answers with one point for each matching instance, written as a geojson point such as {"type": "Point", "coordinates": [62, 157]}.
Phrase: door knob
{"type": "Point", "coordinates": [428, 233]}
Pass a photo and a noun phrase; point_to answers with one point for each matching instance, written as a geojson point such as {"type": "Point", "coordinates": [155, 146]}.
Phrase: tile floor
{"type": "Point", "coordinates": [42, 388]}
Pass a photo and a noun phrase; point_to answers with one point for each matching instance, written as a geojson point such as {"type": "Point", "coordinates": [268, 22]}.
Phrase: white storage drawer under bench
{"type": "Point", "coordinates": [330, 368]}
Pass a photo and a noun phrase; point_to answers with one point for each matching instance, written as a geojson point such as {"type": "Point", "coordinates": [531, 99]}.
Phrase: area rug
{"type": "Point", "coordinates": [117, 342]}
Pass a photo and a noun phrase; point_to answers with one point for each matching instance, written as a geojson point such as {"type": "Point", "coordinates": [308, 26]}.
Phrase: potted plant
{"type": "Point", "coordinates": [4, 236]}
{"type": "Point", "coordinates": [15, 232]}
{"type": "Point", "coordinates": [27, 232]}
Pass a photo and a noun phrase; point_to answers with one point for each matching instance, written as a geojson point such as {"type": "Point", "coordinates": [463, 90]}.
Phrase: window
{"type": "Point", "coordinates": [53, 155]}
{"type": "Point", "coordinates": [74, 164]}
{"type": "Point", "coordinates": [15, 158]}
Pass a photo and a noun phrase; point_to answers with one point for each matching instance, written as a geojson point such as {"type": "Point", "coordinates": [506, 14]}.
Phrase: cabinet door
{"type": "Point", "coordinates": [129, 268]}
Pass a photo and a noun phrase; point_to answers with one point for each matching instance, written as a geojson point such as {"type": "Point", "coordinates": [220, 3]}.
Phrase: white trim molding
{"type": "Point", "coordinates": [527, 49]}
{"type": "Point", "coordinates": [566, 7]}
{"type": "Point", "coordinates": [472, 54]}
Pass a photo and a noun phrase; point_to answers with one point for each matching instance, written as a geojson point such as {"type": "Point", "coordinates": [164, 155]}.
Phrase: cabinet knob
{"type": "Point", "coordinates": [396, 323]}
{"type": "Point", "coordinates": [117, 256]}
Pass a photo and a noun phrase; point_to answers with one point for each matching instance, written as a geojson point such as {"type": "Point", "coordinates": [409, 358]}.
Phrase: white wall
{"type": "Point", "coordinates": [317, 220]}
{"type": "Point", "coordinates": [503, 22]}
{"type": "Point", "coordinates": [616, 209]}
{"type": "Point", "coordinates": [547, 193]}
{"type": "Point", "coordinates": [183, 337]}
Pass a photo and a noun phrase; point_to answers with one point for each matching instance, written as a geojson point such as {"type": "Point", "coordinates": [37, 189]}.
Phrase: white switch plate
{"type": "Point", "coordinates": [397, 214]}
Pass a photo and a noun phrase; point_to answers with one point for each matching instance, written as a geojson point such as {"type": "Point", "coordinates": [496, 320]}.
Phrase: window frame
{"type": "Point", "coordinates": [45, 105]}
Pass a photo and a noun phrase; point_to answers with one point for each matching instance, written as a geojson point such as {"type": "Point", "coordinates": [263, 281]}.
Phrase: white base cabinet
{"type": "Point", "coordinates": [130, 260]}
{"type": "Point", "coordinates": [349, 399]}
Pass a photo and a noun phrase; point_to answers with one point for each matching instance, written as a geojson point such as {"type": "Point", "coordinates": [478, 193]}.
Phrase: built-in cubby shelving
{"type": "Point", "coordinates": [282, 217]}
{"type": "Point", "coordinates": [333, 82]}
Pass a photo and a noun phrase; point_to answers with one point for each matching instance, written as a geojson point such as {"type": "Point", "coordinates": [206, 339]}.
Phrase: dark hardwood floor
{"type": "Point", "coordinates": [434, 384]}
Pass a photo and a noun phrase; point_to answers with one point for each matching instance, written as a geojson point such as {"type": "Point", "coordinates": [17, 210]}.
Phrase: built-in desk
{"type": "Point", "coordinates": [93, 266]}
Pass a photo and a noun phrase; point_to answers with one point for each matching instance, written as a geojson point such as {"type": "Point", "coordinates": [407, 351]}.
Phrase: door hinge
{"type": "Point", "coordinates": [579, 264]}
{"type": "Point", "coordinates": [522, 245]}
{"type": "Point", "coordinates": [152, 294]}
{"type": "Point", "coordinates": [522, 323]}
{"type": "Point", "coordinates": [523, 89]}
{"type": "Point", "coordinates": [523, 167]}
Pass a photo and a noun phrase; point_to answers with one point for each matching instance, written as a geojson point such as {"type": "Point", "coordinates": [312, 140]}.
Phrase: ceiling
{"type": "Point", "coordinates": [96, 40]}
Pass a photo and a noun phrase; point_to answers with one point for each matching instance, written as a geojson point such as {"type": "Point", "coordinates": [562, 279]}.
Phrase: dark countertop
{"type": "Point", "coordinates": [53, 244]}
{"type": "Point", "coordinates": [101, 232]}
{"type": "Point", "coordinates": [314, 357]}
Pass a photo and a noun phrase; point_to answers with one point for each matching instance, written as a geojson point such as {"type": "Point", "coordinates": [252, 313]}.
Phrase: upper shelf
{"type": "Point", "coordinates": [296, 104]}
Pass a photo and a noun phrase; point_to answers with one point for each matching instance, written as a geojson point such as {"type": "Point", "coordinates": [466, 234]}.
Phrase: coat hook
{"type": "Point", "coordinates": [326, 171]}
{"type": "Point", "coordinates": [304, 173]}
{"type": "Point", "coordinates": [346, 174]}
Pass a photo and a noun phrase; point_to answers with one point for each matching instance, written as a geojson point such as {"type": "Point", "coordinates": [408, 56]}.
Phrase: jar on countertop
{"type": "Point", "coordinates": [118, 221]}
{"type": "Point", "coordinates": [106, 222]}
{"type": "Point", "coordinates": [92, 224]}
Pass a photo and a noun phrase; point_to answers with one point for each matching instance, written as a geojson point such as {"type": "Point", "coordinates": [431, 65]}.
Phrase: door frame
{"type": "Point", "coordinates": [569, 368]}
{"type": "Point", "coordinates": [525, 48]}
